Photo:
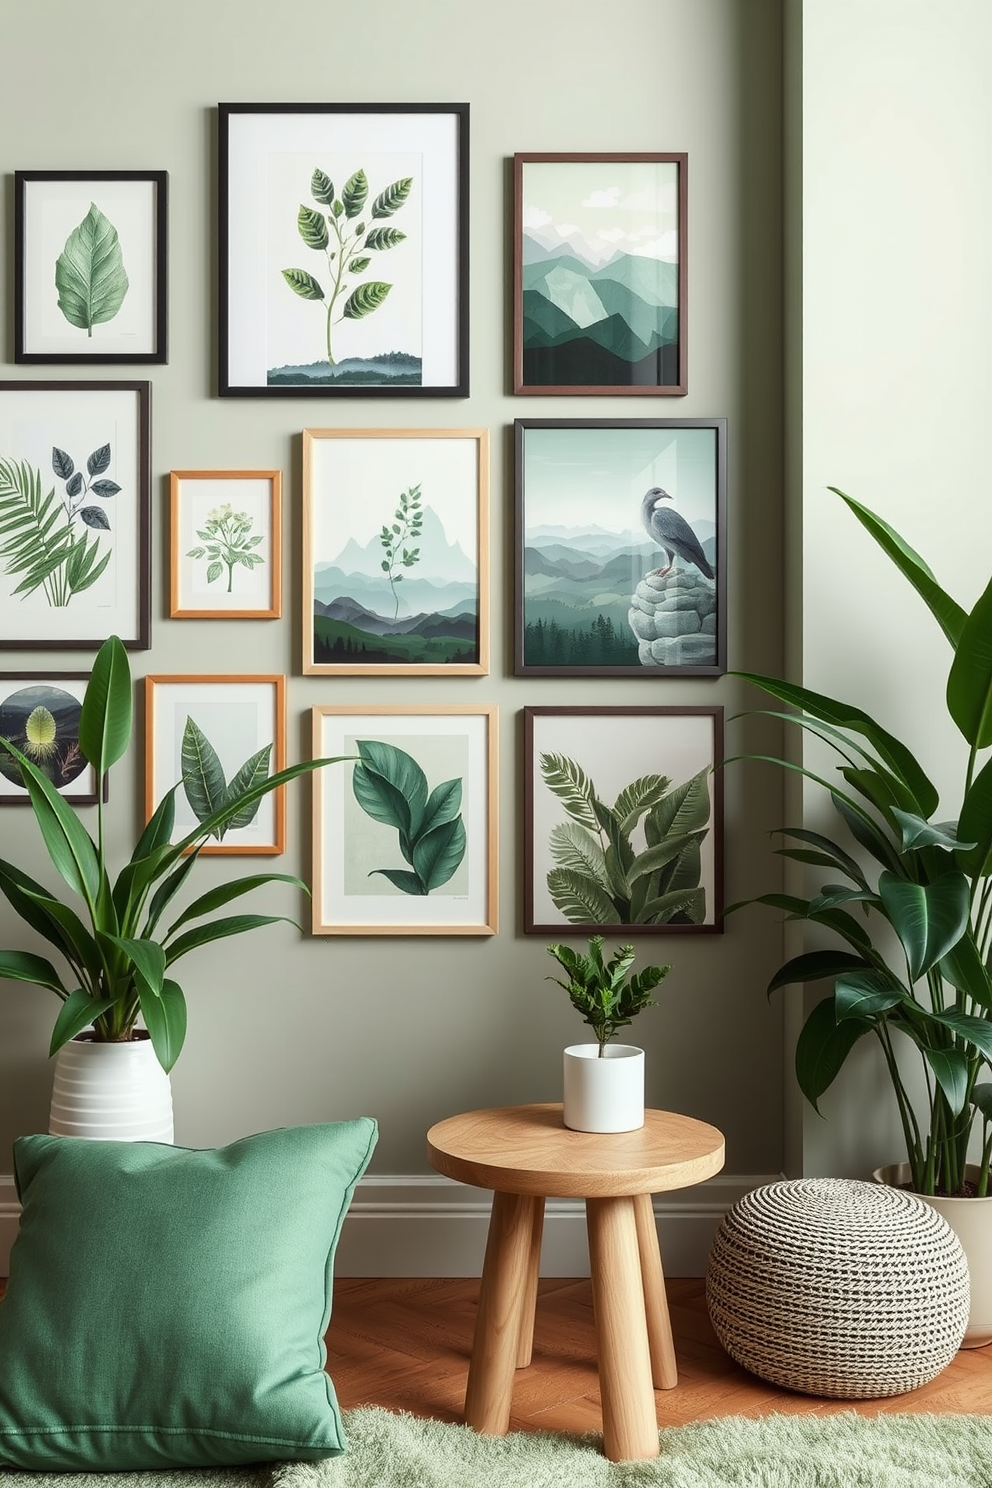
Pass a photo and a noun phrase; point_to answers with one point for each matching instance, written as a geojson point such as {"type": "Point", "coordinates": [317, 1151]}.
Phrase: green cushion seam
{"type": "Point", "coordinates": [191, 1431]}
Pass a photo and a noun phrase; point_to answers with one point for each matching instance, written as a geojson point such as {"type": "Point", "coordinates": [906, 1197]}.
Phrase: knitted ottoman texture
{"type": "Point", "coordinates": [839, 1288]}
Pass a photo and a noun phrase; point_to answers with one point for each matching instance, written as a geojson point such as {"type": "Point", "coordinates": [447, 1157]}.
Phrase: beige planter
{"type": "Point", "coordinates": [111, 1092]}
{"type": "Point", "coordinates": [971, 1221]}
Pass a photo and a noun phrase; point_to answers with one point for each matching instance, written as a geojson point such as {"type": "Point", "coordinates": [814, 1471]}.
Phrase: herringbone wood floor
{"type": "Point", "coordinates": [405, 1344]}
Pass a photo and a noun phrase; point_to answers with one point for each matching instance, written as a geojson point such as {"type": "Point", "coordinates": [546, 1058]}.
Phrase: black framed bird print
{"type": "Point", "coordinates": [620, 547]}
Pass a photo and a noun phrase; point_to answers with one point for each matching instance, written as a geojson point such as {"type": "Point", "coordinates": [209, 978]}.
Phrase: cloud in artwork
{"type": "Point", "coordinates": [661, 198]}
{"type": "Point", "coordinates": [607, 198]}
{"type": "Point", "coordinates": [534, 217]}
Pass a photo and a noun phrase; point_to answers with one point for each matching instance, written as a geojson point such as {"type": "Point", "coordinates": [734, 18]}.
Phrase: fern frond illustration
{"type": "Point", "coordinates": [39, 543]}
{"type": "Point", "coordinates": [391, 788]}
{"type": "Point", "coordinates": [600, 877]}
{"type": "Point", "coordinates": [346, 246]}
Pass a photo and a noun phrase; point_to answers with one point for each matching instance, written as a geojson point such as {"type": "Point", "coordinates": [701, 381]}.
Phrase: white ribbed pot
{"type": "Point", "coordinates": [111, 1092]}
{"type": "Point", "coordinates": [971, 1221]}
{"type": "Point", "coordinates": [603, 1095]}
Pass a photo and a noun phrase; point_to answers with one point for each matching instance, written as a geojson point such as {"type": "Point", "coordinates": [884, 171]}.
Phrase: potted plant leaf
{"type": "Point", "coordinates": [604, 1082]}
{"type": "Point", "coordinates": [898, 871]}
{"type": "Point", "coordinates": [121, 945]}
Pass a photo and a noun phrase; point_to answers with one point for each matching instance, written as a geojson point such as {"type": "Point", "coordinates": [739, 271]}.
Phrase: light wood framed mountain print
{"type": "Point", "coordinates": [405, 825]}
{"type": "Point", "coordinates": [226, 545]}
{"type": "Point", "coordinates": [90, 266]}
{"type": "Point", "coordinates": [396, 552]}
{"type": "Point", "coordinates": [599, 274]}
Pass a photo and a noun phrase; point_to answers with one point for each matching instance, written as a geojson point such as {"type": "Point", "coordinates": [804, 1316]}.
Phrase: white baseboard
{"type": "Point", "coordinates": [430, 1226]}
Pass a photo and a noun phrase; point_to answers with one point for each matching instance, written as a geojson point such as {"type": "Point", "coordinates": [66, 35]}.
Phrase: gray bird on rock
{"type": "Point", "coordinates": [671, 531]}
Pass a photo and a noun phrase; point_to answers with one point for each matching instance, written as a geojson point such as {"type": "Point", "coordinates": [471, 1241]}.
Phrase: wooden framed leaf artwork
{"type": "Point", "coordinates": [39, 715]}
{"type": "Point", "coordinates": [599, 274]}
{"type": "Point", "coordinates": [396, 552]}
{"type": "Point", "coordinates": [218, 734]}
{"type": "Point", "coordinates": [343, 249]}
{"type": "Point", "coordinates": [226, 544]}
{"type": "Point", "coordinates": [90, 276]}
{"type": "Point", "coordinates": [621, 547]}
{"type": "Point", "coordinates": [404, 830]}
{"type": "Point", "coordinates": [623, 813]}
{"type": "Point", "coordinates": [74, 515]}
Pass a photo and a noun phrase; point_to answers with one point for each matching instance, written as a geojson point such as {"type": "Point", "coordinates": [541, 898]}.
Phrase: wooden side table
{"type": "Point", "coordinates": [525, 1154]}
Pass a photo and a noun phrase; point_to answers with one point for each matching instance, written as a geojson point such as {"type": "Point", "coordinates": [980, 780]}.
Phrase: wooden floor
{"type": "Point", "coordinates": [404, 1344]}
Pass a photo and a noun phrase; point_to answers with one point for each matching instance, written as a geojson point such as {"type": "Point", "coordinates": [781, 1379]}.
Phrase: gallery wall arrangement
{"type": "Point", "coordinates": [343, 271]}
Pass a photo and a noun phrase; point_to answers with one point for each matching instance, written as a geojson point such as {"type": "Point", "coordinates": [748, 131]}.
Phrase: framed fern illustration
{"type": "Point", "coordinates": [74, 515]}
{"type": "Point", "coordinates": [90, 280]}
{"type": "Point", "coordinates": [623, 811]}
{"type": "Point", "coordinates": [210, 732]}
{"type": "Point", "coordinates": [404, 832]}
{"type": "Point", "coordinates": [343, 249]}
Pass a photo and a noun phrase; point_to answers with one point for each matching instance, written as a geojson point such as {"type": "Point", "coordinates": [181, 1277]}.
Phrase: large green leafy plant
{"type": "Point", "coordinates": [929, 882]}
{"type": "Point", "coordinates": [117, 951]}
{"type": "Point", "coordinates": [601, 991]}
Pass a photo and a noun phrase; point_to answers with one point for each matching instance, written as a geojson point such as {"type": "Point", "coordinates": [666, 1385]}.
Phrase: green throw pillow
{"type": "Point", "coordinates": [167, 1306]}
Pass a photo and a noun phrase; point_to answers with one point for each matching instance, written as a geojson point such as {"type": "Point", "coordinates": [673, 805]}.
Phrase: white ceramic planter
{"type": "Point", "coordinates": [971, 1221]}
{"type": "Point", "coordinates": [111, 1092]}
{"type": "Point", "coordinates": [604, 1095]}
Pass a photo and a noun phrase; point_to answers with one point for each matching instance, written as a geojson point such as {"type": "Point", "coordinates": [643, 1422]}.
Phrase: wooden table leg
{"type": "Point", "coordinates": [630, 1426]}
{"type": "Point", "coordinates": [664, 1370]}
{"type": "Point", "coordinates": [505, 1285]}
{"type": "Point", "coordinates": [525, 1347]}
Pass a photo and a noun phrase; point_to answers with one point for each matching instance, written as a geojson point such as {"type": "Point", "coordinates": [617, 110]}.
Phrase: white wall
{"type": "Point", "coordinates": [896, 130]}
{"type": "Point", "coordinates": [285, 1028]}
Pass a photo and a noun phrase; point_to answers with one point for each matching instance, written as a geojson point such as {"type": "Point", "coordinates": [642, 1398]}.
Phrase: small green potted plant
{"type": "Point", "coordinates": [119, 944]}
{"type": "Point", "coordinates": [604, 1081]}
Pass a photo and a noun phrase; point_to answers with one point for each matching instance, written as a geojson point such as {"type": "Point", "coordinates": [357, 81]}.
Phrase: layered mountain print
{"type": "Point", "coordinates": [590, 320]}
{"type": "Point", "coordinates": [372, 608]}
{"type": "Point", "coordinates": [579, 584]}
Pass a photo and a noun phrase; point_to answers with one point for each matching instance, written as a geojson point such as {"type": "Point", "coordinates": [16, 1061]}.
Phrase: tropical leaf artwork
{"type": "Point", "coordinates": [601, 876]}
{"type": "Point", "coordinates": [207, 788]}
{"type": "Point", "coordinates": [348, 234]}
{"type": "Point", "coordinates": [44, 542]}
{"type": "Point", "coordinates": [391, 788]}
{"type": "Point", "coordinates": [89, 273]}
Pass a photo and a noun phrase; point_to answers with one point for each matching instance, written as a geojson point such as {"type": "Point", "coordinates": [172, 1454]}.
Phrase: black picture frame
{"type": "Point", "coordinates": [272, 343]}
{"type": "Point", "coordinates": [590, 599]}
{"type": "Point", "coordinates": [68, 310]}
{"type": "Point", "coordinates": [655, 773]}
{"type": "Point", "coordinates": [63, 444]}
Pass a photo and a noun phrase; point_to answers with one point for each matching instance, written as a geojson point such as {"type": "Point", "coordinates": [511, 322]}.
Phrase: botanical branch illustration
{"type": "Point", "coordinates": [37, 533]}
{"type": "Point", "coordinates": [407, 525]}
{"type": "Point", "coordinates": [205, 784]}
{"type": "Point", "coordinates": [89, 272]}
{"type": "Point", "coordinates": [600, 877]}
{"type": "Point", "coordinates": [391, 788]}
{"type": "Point", "coordinates": [226, 543]}
{"type": "Point", "coordinates": [346, 248]}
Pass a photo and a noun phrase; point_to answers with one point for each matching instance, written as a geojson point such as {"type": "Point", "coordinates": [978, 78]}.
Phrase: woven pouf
{"type": "Point", "coordinates": [834, 1287]}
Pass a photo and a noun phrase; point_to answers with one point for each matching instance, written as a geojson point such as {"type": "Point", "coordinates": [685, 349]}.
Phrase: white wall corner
{"type": "Point", "coordinates": [431, 1226]}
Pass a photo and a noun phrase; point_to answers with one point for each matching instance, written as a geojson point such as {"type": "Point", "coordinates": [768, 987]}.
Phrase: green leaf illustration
{"type": "Point", "coordinates": [303, 284]}
{"type": "Point", "coordinates": [254, 770]}
{"type": "Point", "coordinates": [391, 787]}
{"type": "Point", "coordinates": [384, 237]}
{"type": "Point", "coordinates": [365, 299]}
{"type": "Point", "coordinates": [581, 901]}
{"type": "Point", "coordinates": [437, 854]}
{"type": "Point", "coordinates": [355, 194]}
{"type": "Point", "coordinates": [321, 187]}
{"type": "Point", "coordinates": [358, 265]}
{"type": "Point", "coordinates": [313, 227]}
{"type": "Point", "coordinates": [392, 198]}
{"type": "Point", "coordinates": [203, 772]}
{"type": "Point", "coordinates": [89, 273]}
{"type": "Point", "coordinates": [572, 786]}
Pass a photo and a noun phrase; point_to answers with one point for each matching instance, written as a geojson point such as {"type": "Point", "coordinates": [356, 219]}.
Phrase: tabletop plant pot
{"type": "Point", "coordinates": [603, 1094]}
{"type": "Point", "coordinates": [111, 1092]}
{"type": "Point", "coordinates": [971, 1220]}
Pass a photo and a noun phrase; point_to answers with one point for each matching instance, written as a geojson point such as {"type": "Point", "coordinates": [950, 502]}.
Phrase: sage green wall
{"type": "Point", "coordinates": [285, 1028]}
{"type": "Point", "coordinates": [894, 224]}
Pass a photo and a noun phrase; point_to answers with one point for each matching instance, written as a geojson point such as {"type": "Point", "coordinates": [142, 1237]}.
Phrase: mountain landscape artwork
{"type": "Point", "coordinates": [618, 563]}
{"type": "Point", "coordinates": [395, 541]}
{"type": "Point", "coordinates": [599, 274]}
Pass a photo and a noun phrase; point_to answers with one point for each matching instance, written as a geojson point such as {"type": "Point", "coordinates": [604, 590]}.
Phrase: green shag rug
{"type": "Point", "coordinates": [402, 1451]}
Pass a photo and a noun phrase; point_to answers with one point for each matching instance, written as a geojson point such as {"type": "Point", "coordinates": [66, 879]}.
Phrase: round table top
{"type": "Point", "coordinates": [529, 1150]}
